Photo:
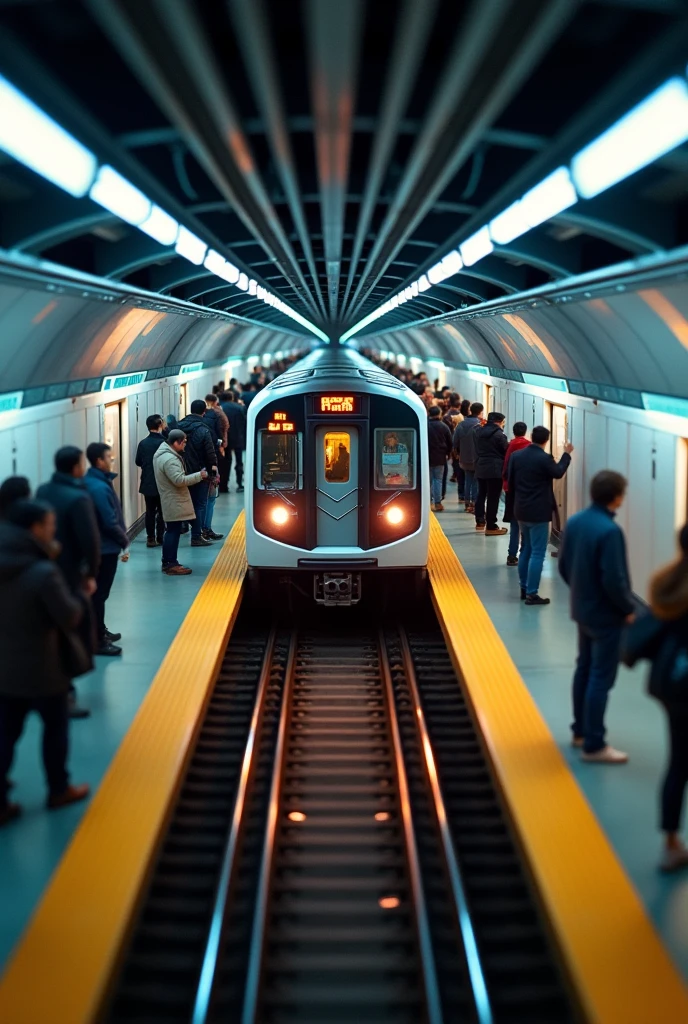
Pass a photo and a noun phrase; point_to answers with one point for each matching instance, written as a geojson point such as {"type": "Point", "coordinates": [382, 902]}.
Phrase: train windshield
{"type": "Point", "coordinates": [279, 461]}
{"type": "Point", "coordinates": [337, 456]}
{"type": "Point", "coordinates": [395, 467]}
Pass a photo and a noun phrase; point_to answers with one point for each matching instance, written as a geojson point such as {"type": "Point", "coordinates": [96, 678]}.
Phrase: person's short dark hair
{"type": "Point", "coordinates": [211, 398]}
{"type": "Point", "coordinates": [67, 458]}
{"type": "Point", "coordinates": [154, 421]}
{"type": "Point", "coordinates": [477, 408]}
{"type": "Point", "coordinates": [465, 407]}
{"type": "Point", "coordinates": [198, 407]}
{"type": "Point", "coordinates": [227, 396]}
{"type": "Point", "coordinates": [14, 488]}
{"type": "Point", "coordinates": [96, 450]}
{"type": "Point", "coordinates": [540, 435]}
{"type": "Point", "coordinates": [606, 486]}
{"type": "Point", "coordinates": [454, 400]}
{"type": "Point", "coordinates": [495, 417]}
{"type": "Point", "coordinates": [26, 513]}
{"type": "Point", "coordinates": [520, 429]}
{"type": "Point", "coordinates": [176, 435]}
{"type": "Point", "coordinates": [434, 411]}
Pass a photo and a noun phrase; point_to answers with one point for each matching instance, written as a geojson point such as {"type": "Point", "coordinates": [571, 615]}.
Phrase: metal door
{"type": "Point", "coordinates": [337, 494]}
{"type": "Point", "coordinates": [558, 438]}
{"type": "Point", "coordinates": [112, 434]}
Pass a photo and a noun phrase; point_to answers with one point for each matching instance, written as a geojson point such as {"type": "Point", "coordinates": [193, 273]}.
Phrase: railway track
{"type": "Point", "coordinates": [338, 851]}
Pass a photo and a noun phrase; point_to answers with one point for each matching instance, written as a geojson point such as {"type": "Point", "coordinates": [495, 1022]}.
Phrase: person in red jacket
{"type": "Point", "coordinates": [518, 441]}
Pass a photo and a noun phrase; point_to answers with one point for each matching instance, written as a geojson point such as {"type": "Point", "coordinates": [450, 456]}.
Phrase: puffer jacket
{"type": "Point", "coordinates": [113, 530]}
{"type": "Point", "coordinates": [173, 484]}
{"type": "Point", "coordinates": [491, 444]}
{"type": "Point", "coordinates": [35, 607]}
{"type": "Point", "coordinates": [200, 447]}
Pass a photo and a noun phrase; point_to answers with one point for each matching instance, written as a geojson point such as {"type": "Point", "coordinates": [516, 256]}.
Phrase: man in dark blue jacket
{"type": "Point", "coordinates": [114, 541]}
{"type": "Point", "coordinates": [236, 414]}
{"type": "Point", "coordinates": [529, 476]}
{"type": "Point", "coordinates": [200, 454]}
{"type": "Point", "coordinates": [155, 524]}
{"type": "Point", "coordinates": [592, 560]}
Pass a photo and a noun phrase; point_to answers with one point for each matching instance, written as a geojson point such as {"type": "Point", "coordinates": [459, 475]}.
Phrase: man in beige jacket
{"type": "Point", "coordinates": [177, 508]}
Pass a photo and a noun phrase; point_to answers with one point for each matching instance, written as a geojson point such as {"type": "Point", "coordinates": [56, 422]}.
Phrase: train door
{"type": "Point", "coordinates": [112, 435]}
{"type": "Point", "coordinates": [337, 486]}
{"type": "Point", "coordinates": [183, 401]}
{"type": "Point", "coordinates": [558, 436]}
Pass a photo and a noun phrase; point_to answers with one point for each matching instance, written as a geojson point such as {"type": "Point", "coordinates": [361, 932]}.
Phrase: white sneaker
{"type": "Point", "coordinates": [674, 859]}
{"type": "Point", "coordinates": [607, 755]}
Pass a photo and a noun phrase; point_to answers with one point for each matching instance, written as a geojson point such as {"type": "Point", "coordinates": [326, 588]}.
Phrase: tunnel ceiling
{"type": "Point", "coordinates": [335, 149]}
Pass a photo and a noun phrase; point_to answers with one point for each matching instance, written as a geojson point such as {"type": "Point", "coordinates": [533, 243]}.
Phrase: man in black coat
{"type": "Point", "coordinates": [200, 454]}
{"type": "Point", "coordinates": [530, 475]}
{"type": "Point", "coordinates": [236, 414]}
{"type": "Point", "coordinates": [78, 534]}
{"type": "Point", "coordinates": [491, 444]}
{"type": "Point", "coordinates": [439, 450]}
{"type": "Point", "coordinates": [37, 616]}
{"type": "Point", "coordinates": [155, 524]}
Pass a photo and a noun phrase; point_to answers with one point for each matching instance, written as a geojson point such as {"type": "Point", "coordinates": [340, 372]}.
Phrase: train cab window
{"type": "Point", "coordinates": [337, 456]}
{"type": "Point", "coordinates": [394, 460]}
{"type": "Point", "coordinates": [279, 461]}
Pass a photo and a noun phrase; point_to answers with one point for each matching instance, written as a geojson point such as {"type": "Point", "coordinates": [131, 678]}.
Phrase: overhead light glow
{"type": "Point", "coordinates": [38, 142]}
{"type": "Point", "coordinates": [279, 515]}
{"type": "Point", "coordinates": [160, 226]}
{"type": "Point", "coordinates": [214, 262]}
{"type": "Point", "coordinates": [477, 246]}
{"type": "Point", "coordinates": [423, 283]}
{"type": "Point", "coordinates": [414, 288]}
{"type": "Point", "coordinates": [452, 263]}
{"type": "Point", "coordinates": [509, 224]}
{"type": "Point", "coordinates": [252, 287]}
{"type": "Point", "coordinates": [190, 246]}
{"type": "Point", "coordinates": [243, 282]}
{"type": "Point", "coordinates": [119, 196]}
{"type": "Point", "coordinates": [648, 131]}
{"type": "Point", "coordinates": [552, 195]}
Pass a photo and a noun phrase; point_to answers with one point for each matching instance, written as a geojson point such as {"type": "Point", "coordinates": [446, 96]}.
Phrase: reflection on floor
{"type": "Point", "coordinates": [542, 642]}
{"type": "Point", "coordinates": [147, 608]}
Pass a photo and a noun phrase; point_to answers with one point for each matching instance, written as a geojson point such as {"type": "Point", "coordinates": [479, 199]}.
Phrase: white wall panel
{"type": "Point", "coordinates": [617, 459]}
{"type": "Point", "coordinates": [595, 446]}
{"type": "Point", "coordinates": [665, 481]}
{"type": "Point", "coordinates": [576, 491]}
{"type": "Point", "coordinates": [50, 438]}
{"type": "Point", "coordinates": [75, 429]}
{"type": "Point", "coordinates": [94, 423]}
{"type": "Point", "coordinates": [24, 447]}
{"type": "Point", "coordinates": [640, 503]}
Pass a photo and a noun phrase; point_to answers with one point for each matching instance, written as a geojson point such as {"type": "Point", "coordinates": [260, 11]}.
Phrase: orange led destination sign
{"type": "Point", "coordinates": [280, 424]}
{"type": "Point", "coordinates": [337, 403]}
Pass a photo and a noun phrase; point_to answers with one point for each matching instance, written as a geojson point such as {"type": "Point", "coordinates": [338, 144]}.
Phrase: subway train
{"type": "Point", "coordinates": [337, 482]}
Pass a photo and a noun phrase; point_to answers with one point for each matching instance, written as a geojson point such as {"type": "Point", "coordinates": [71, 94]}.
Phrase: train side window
{"type": "Point", "coordinates": [395, 467]}
{"type": "Point", "coordinates": [337, 456]}
{"type": "Point", "coordinates": [279, 461]}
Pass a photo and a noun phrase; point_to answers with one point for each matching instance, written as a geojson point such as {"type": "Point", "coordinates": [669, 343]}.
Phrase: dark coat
{"type": "Point", "coordinates": [491, 444]}
{"type": "Point", "coordinates": [35, 607]}
{"type": "Point", "coordinates": [439, 442]}
{"type": "Point", "coordinates": [144, 460]}
{"type": "Point", "coordinates": [212, 422]}
{"type": "Point", "coordinates": [665, 644]}
{"type": "Point", "coordinates": [113, 530]}
{"type": "Point", "coordinates": [77, 527]}
{"type": "Point", "coordinates": [529, 476]}
{"type": "Point", "coordinates": [592, 560]}
{"type": "Point", "coordinates": [236, 414]}
{"type": "Point", "coordinates": [464, 442]}
{"type": "Point", "coordinates": [200, 452]}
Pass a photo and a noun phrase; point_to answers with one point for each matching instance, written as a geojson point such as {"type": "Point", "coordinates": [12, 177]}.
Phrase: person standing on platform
{"type": "Point", "coordinates": [518, 441]}
{"type": "Point", "coordinates": [114, 540]}
{"type": "Point", "coordinates": [236, 416]}
{"type": "Point", "coordinates": [218, 425]}
{"type": "Point", "coordinates": [79, 539]}
{"type": "Point", "coordinates": [490, 448]}
{"type": "Point", "coordinates": [13, 488]}
{"type": "Point", "coordinates": [464, 444]}
{"type": "Point", "coordinates": [173, 484]}
{"type": "Point", "coordinates": [200, 453]}
{"type": "Point", "coordinates": [40, 648]}
{"type": "Point", "coordinates": [592, 560]}
{"type": "Point", "coordinates": [439, 450]}
{"type": "Point", "coordinates": [155, 525]}
{"type": "Point", "coordinates": [529, 476]}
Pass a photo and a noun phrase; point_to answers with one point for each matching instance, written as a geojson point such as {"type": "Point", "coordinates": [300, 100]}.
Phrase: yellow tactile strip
{"type": "Point", "coordinates": [615, 959]}
{"type": "Point", "coordinates": [61, 968]}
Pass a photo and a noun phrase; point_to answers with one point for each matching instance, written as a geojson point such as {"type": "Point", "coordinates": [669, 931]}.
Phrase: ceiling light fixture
{"type": "Point", "coordinates": [190, 246]}
{"type": "Point", "coordinates": [477, 246]}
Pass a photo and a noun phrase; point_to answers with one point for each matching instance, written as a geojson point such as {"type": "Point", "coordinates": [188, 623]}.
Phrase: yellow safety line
{"type": "Point", "coordinates": [61, 969]}
{"type": "Point", "coordinates": [619, 968]}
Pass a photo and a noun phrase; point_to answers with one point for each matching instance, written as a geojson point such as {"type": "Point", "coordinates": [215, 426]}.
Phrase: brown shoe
{"type": "Point", "coordinates": [150, 543]}
{"type": "Point", "coordinates": [499, 532]}
{"type": "Point", "coordinates": [439, 508]}
{"type": "Point", "coordinates": [480, 526]}
{"type": "Point", "coordinates": [71, 795]}
{"type": "Point", "coordinates": [177, 570]}
{"type": "Point", "coordinates": [469, 508]}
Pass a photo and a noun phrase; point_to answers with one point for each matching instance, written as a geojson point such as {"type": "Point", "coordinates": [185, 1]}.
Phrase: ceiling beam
{"type": "Point", "coordinates": [50, 218]}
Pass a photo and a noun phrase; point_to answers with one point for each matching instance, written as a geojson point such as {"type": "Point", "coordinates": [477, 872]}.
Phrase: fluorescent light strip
{"type": "Point", "coordinates": [190, 246]}
{"type": "Point", "coordinates": [119, 196]}
{"type": "Point", "coordinates": [477, 246]}
{"type": "Point", "coordinates": [552, 195]}
{"type": "Point", "coordinates": [160, 226]}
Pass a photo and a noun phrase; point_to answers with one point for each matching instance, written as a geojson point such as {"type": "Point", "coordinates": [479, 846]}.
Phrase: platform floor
{"type": "Point", "coordinates": [147, 608]}
{"type": "Point", "coordinates": [542, 642]}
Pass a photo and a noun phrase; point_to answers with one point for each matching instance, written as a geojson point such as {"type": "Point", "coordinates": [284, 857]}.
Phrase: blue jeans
{"type": "Point", "coordinates": [470, 487]}
{"type": "Point", "coordinates": [436, 474]}
{"type": "Point", "coordinates": [170, 543]}
{"type": "Point", "coordinates": [514, 538]}
{"type": "Point", "coordinates": [598, 660]}
{"type": "Point", "coordinates": [199, 497]}
{"type": "Point", "coordinates": [533, 551]}
{"type": "Point", "coordinates": [210, 508]}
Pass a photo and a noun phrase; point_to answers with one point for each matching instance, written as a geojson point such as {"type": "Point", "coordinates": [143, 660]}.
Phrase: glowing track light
{"type": "Point", "coordinates": [38, 142]}
{"type": "Point", "coordinates": [160, 226]}
{"type": "Point", "coordinates": [190, 246]}
{"type": "Point", "coordinates": [119, 196]}
{"type": "Point", "coordinates": [477, 246]}
{"type": "Point", "coordinates": [510, 224]}
{"type": "Point", "coordinates": [648, 131]}
{"type": "Point", "coordinates": [552, 195]}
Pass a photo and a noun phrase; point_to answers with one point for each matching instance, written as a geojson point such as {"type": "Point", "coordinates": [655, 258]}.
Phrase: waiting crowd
{"type": "Point", "coordinates": [60, 550]}
{"type": "Point", "coordinates": [612, 624]}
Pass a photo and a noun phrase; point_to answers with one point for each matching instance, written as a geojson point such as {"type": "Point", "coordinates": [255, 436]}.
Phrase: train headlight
{"type": "Point", "coordinates": [279, 515]}
{"type": "Point", "coordinates": [394, 515]}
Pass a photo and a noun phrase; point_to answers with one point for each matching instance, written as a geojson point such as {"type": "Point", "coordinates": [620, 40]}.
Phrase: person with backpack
{"type": "Point", "coordinates": [661, 637]}
{"type": "Point", "coordinates": [200, 453]}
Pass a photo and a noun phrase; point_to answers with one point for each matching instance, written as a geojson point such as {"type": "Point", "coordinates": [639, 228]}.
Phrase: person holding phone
{"type": "Point", "coordinates": [177, 506]}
